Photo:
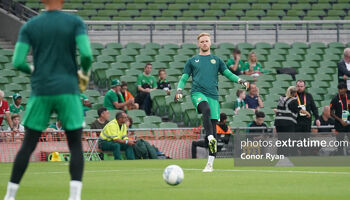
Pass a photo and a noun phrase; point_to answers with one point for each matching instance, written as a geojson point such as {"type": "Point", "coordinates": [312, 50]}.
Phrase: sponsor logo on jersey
{"type": "Point", "coordinates": [200, 98]}
{"type": "Point", "coordinates": [196, 61]}
{"type": "Point", "coordinates": [213, 61]}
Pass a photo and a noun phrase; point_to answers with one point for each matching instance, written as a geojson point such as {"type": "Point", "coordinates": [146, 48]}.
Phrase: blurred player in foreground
{"type": "Point", "coordinates": [204, 69]}
{"type": "Point", "coordinates": [56, 80]}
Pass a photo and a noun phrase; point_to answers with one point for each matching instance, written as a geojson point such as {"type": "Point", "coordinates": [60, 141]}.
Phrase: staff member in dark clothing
{"type": "Point", "coordinates": [340, 112]}
{"type": "Point", "coordinates": [286, 119]}
{"type": "Point", "coordinates": [305, 102]}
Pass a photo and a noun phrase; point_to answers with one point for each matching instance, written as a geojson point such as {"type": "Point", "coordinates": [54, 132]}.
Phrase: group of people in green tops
{"type": "Point", "coordinates": [251, 67]}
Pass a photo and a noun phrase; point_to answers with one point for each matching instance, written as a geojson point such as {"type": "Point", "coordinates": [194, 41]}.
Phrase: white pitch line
{"type": "Point", "coordinates": [195, 169]}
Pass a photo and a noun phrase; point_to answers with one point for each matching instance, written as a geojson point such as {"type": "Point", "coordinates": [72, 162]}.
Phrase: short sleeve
{"type": "Point", "coordinates": [245, 67]}
{"type": "Point", "coordinates": [139, 80]}
{"type": "Point", "coordinates": [222, 66]}
{"type": "Point", "coordinates": [230, 62]}
{"type": "Point", "coordinates": [188, 67]}
{"type": "Point", "coordinates": [6, 106]}
{"type": "Point", "coordinates": [334, 103]}
{"type": "Point", "coordinates": [154, 82]}
{"type": "Point", "coordinates": [80, 28]}
{"type": "Point", "coordinates": [23, 35]}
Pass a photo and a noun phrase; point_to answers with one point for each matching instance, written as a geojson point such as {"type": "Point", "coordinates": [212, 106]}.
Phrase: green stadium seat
{"type": "Point", "coordinates": [131, 80]}
{"type": "Point", "coordinates": [129, 13]}
{"type": "Point", "coordinates": [4, 59]}
{"type": "Point", "coordinates": [239, 6]}
{"type": "Point", "coordinates": [114, 74]}
{"type": "Point", "coordinates": [199, 6]}
{"type": "Point", "coordinates": [143, 58]}
{"type": "Point", "coordinates": [294, 14]}
{"type": "Point", "coordinates": [105, 59]}
{"type": "Point", "coordinates": [337, 45]}
{"type": "Point", "coordinates": [110, 52]}
{"type": "Point", "coordinates": [321, 6]}
{"type": "Point", "coordinates": [214, 13]}
{"type": "Point", "coordinates": [158, 99]}
{"type": "Point", "coordinates": [171, 46]}
{"type": "Point", "coordinates": [163, 58]}
{"type": "Point", "coordinates": [340, 13]}
{"type": "Point", "coordinates": [178, 6]}
{"type": "Point", "coordinates": [300, 45]}
{"type": "Point", "coordinates": [341, 6]}
{"type": "Point", "coordinates": [133, 72]}
{"type": "Point", "coordinates": [171, 13]}
{"type": "Point", "coordinates": [133, 45]}
{"type": "Point", "coordinates": [129, 52]}
{"type": "Point", "coordinates": [115, 6]}
{"type": "Point", "coordinates": [281, 6]}
{"type": "Point", "coordinates": [167, 52]}
{"type": "Point", "coordinates": [124, 59]}
{"type": "Point", "coordinates": [168, 125]}
{"type": "Point", "coordinates": [281, 45]}
{"type": "Point", "coordinates": [261, 6]}
{"type": "Point", "coordinates": [219, 6]}
{"type": "Point", "coordinates": [151, 13]}
{"type": "Point", "coordinates": [13, 87]}
{"type": "Point", "coordinates": [301, 6]}
{"type": "Point", "coordinates": [155, 46]}
{"type": "Point", "coordinates": [152, 120]}
{"type": "Point", "coordinates": [316, 13]}
{"type": "Point", "coordinates": [157, 6]}
{"type": "Point", "coordinates": [147, 126]}
{"type": "Point", "coordinates": [135, 6]}
{"type": "Point", "coordinates": [255, 13]}
{"type": "Point", "coordinates": [275, 13]}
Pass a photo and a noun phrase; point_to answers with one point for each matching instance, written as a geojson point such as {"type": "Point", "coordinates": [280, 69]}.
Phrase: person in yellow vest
{"type": "Point", "coordinates": [114, 138]}
{"type": "Point", "coordinates": [223, 131]}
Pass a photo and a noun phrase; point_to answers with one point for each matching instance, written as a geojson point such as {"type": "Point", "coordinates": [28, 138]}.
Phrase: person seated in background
{"type": "Point", "coordinates": [239, 102]}
{"type": "Point", "coordinates": [4, 110]}
{"type": "Point", "coordinates": [114, 138]}
{"type": "Point", "coordinates": [18, 128]}
{"type": "Point", "coordinates": [113, 98]}
{"type": "Point", "coordinates": [252, 66]}
{"type": "Point", "coordinates": [101, 121]}
{"type": "Point", "coordinates": [51, 135]}
{"type": "Point", "coordinates": [16, 107]}
{"type": "Point", "coordinates": [163, 84]}
{"type": "Point", "coordinates": [127, 95]}
{"type": "Point", "coordinates": [344, 68]}
{"type": "Point", "coordinates": [235, 64]}
{"type": "Point", "coordinates": [145, 84]}
{"type": "Point", "coordinates": [86, 103]}
{"type": "Point", "coordinates": [253, 99]}
{"type": "Point", "coordinates": [325, 120]}
{"type": "Point", "coordinates": [129, 122]}
{"type": "Point", "coordinates": [224, 133]}
{"type": "Point", "coordinates": [258, 122]}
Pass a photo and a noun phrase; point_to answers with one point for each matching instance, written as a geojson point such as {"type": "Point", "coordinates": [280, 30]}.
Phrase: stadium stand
{"type": "Point", "coordinates": [205, 10]}
{"type": "Point", "coordinates": [315, 63]}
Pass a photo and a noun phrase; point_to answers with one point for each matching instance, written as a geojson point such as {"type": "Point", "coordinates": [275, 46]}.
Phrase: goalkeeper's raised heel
{"type": "Point", "coordinates": [212, 144]}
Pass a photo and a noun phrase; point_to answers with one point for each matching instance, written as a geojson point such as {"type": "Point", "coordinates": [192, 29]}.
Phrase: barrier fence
{"type": "Point", "coordinates": [174, 143]}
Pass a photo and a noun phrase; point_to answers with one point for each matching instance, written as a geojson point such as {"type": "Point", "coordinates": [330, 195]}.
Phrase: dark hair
{"type": "Point", "coordinates": [302, 81]}
{"type": "Point", "coordinates": [239, 92]}
{"type": "Point", "coordinates": [250, 84]}
{"type": "Point", "coordinates": [161, 70]}
{"type": "Point", "coordinates": [124, 84]}
{"type": "Point", "coordinates": [236, 51]}
{"type": "Point", "coordinates": [259, 114]}
{"type": "Point", "coordinates": [223, 117]}
{"type": "Point", "coordinates": [101, 110]}
{"type": "Point", "coordinates": [342, 86]}
{"type": "Point", "coordinates": [119, 115]}
{"type": "Point", "coordinates": [147, 65]}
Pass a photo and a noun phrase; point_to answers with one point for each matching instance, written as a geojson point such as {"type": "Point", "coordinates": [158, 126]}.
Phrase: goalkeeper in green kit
{"type": "Point", "coordinates": [204, 69]}
{"type": "Point", "coordinates": [56, 85]}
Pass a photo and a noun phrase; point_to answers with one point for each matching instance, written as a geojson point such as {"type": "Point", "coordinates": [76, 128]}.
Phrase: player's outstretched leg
{"type": "Point", "coordinates": [203, 107]}
{"type": "Point", "coordinates": [21, 162]}
{"type": "Point", "coordinates": [76, 164]}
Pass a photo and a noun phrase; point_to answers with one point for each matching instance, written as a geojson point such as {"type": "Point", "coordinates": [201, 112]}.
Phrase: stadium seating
{"type": "Point", "coordinates": [316, 63]}
{"type": "Point", "coordinates": [206, 10]}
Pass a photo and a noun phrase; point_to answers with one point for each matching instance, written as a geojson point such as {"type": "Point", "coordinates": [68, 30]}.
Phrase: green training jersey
{"type": "Point", "coordinates": [257, 67]}
{"type": "Point", "coordinates": [232, 62]}
{"type": "Point", "coordinates": [146, 81]}
{"type": "Point", "coordinates": [15, 110]}
{"type": "Point", "coordinates": [52, 38]}
{"type": "Point", "coordinates": [111, 97]}
{"type": "Point", "coordinates": [204, 71]}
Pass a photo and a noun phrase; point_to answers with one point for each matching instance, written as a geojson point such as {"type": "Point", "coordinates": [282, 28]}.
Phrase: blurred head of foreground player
{"type": "Point", "coordinates": [53, 4]}
{"type": "Point", "coordinates": [204, 43]}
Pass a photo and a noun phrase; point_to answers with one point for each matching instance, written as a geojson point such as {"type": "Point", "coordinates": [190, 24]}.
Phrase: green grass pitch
{"type": "Point", "coordinates": [142, 179]}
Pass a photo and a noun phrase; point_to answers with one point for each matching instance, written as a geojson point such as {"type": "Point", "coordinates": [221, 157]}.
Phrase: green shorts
{"type": "Point", "coordinates": [68, 107]}
{"type": "Point", "coordinates": [214, 105]}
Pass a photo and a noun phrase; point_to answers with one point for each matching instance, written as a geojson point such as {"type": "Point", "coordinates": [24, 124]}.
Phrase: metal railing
{"type": "Point", "coordinates": [243, 30]}
{"type": "Point", "coordinates": [17, 9]}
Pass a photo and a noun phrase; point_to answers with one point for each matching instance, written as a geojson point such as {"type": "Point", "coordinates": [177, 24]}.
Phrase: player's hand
{"type": "Point", "coordinates": [131, 142]}
{"type": "Point", "coordinates": [83, 80]}
{"type": "Point", "coordinates": [343, 123]}
{"type": "Point", "coordinates": [244, 83]}
{"type": "Point", "coordinates": [178, 95]}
